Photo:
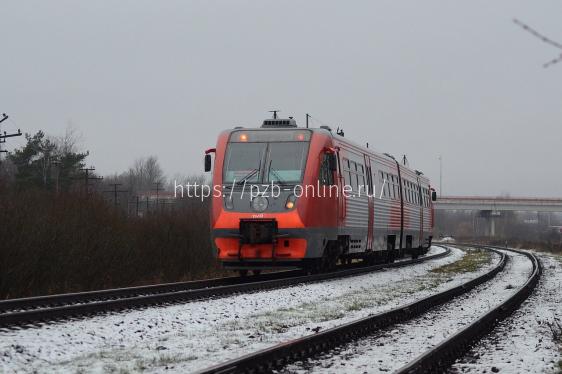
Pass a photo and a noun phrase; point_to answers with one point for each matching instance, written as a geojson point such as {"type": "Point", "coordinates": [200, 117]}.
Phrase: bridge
{"type": "Point", "coordinates": [490, 208]}
{"type": "Point", "coordinates": [496, 204]}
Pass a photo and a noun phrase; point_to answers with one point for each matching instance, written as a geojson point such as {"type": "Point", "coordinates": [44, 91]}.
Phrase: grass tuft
{"type": "Point", "coordinates": [472, 261]}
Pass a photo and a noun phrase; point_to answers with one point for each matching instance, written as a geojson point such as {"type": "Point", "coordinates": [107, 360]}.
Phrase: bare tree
{"type": "Point", "coordinates": [144, 173]}
{"type": "Point", "coordinates": [70, 141]}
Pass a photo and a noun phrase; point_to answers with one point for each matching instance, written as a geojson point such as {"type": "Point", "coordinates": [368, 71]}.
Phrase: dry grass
{"type": "Point", "coordinates": [75, 242]}
{"type": "Point", "coordinates": [472, 261]}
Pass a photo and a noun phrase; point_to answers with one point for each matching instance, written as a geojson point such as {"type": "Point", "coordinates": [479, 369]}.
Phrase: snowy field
{"type": "Point", "coordinates": [393, 348]}
{"type": "Point", "coordinates": [196, 335]}
{"type": "Point", "coordinates": [530, 340]}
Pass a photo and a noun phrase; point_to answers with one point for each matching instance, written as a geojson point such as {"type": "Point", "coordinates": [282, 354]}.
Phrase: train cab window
{"type": "Point", "coordinates": [325, 176]}
{"type": "Point", "coordinates": [285, 162]}
{"type": "Point", "coordinates": [243, 162]}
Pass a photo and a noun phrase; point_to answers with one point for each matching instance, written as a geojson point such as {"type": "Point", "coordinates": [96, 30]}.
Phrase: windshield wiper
{"type": "Point", "coordinates": [275, 173]}
{"type": "Point", "coordinates": [249, 175]}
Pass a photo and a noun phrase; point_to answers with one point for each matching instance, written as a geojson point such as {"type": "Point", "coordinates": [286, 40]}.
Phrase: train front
{"type": "Point", "coordinates": [257, 221]}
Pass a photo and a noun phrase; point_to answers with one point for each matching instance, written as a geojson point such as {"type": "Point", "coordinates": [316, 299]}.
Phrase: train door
{"type": "Point", "coordinates": [421, 195]}
{"type": "Point", "coordinates": [342, 204]}
{"type": "Point", "coordinates": [371, 202]}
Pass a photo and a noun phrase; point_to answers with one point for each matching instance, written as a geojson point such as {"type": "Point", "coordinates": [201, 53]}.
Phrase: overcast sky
{"type": "Point", "coordinates": [425, 78]}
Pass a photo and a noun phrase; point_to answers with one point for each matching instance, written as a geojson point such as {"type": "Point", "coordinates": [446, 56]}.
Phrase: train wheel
{"type": "Point", "coordinates": [331, 256]}
{"type": "Point", "coordinates": [314, 266]}
{"type": "Point", "coordinates": [391, 256]}
{"type": "Point", "coordinates": [370, 259]}
{"type": "Point", "coordinates": [243, 273]}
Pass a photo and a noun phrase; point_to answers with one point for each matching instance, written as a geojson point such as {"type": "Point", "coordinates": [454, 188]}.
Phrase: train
{"type": "Point", "coordinates": [309, 198]}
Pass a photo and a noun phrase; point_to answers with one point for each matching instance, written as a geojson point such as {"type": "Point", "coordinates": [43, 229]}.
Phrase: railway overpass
{"type": "Point", "coordinates": [491, 208]}
{"type": "Point", "coordinates": [520, 204]}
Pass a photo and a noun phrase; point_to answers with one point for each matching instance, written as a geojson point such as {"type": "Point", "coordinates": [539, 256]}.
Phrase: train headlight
{"type": "Point", "coordinates": [291, 202]}
{"type": "Point", "coordinates": [260, 203]}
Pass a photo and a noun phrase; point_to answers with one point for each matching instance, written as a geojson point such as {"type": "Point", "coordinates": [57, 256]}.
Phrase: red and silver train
{"type": "Point", "coordinates": [308, 197]}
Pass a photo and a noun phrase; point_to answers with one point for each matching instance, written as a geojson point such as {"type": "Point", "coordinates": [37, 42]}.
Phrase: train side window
{"type": "Point", "coordinates": [353, 180]}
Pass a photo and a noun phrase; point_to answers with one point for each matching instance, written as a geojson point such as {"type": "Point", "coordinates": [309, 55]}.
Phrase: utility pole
{"type": "Point", "coordinates": [115, 192]}
{"type": "Point", "coordinates": [157, 189]}
{"type": "Point", "coordinates": [440, 176]}
{"type": "Point", "coordinates": [3, 137]}
{"type": "Point", "coordinates": [88, 177]}
{"type": "Point", "coordinates": [57, 165]}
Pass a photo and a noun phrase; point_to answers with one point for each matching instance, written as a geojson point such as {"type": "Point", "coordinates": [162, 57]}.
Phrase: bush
{"type": "Point", "coordinates": [75, 242]}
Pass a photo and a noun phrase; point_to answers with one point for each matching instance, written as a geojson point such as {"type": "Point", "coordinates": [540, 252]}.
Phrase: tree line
{"type": "Point", "coordinates": [59, 234]}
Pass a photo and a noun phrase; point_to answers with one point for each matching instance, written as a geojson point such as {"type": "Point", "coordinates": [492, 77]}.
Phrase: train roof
{"type": "Point", "coordinates": [291, 124]}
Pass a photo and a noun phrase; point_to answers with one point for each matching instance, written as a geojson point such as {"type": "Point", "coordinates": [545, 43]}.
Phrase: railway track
{"type": "Point", "coordinates": [437, 359]}
{"type": "Point", "coordinates": [36, 310]}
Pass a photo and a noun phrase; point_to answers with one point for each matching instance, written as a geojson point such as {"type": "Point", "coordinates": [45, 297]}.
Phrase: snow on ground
{"type": "Point", "coordinates": [394, 347]}
{"type": "Point", "coordinates": [195, 335]}
{"type": "Point", "coordinates": [526, 342]}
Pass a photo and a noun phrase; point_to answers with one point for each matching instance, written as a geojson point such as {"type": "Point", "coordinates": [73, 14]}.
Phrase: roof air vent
{"type": "Point", "coordinates": [279, 123]}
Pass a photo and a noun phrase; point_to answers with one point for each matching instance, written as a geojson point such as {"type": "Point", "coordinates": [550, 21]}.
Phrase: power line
{"type": "Point", "coordinates": [157, 189]}
{"type": "Point", "coordinates": [543, 38]}
{"type": "Point", "coordinates": [88, 177]}
{"type": "Point", "coordinates": [3, 137]}
{"type": "Point", "coordinates": [115, 192]}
